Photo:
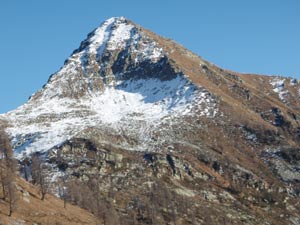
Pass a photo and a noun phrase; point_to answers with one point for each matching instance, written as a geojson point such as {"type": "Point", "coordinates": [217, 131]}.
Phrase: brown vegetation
{"type": "Point", "coordinates": [8, 168]}
{"type": "Point", "coordinates": [30, 209]}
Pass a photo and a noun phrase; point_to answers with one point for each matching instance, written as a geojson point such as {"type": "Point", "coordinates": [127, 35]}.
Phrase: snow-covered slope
{"type": "Point", "coordinates": [118, 79]}
{"type": "Point", "coordinates": [40, 127]}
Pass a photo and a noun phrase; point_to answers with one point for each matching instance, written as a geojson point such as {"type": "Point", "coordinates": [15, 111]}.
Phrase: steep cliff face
{"type": "Point", "coordinates": [143, 113]}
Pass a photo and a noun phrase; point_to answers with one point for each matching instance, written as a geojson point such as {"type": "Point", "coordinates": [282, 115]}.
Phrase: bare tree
{"type": "Point", "coordinates": [10, 182]}
{"type": "Point", "coordinates": [38, 174]}
{"type": "Point", "coordinates": [12, 196]}
{"type": "Point", "coordinates": [62, 189]}
{"type": "Point", "coordinates": [4, 148]}
{"type": "Point", "coordinates": [109, 214]}
{"type": "Point", "coordinates": [24, 168]}
{"type": "Point", "coordinates": [87, 194]}
{"type": "Point", "coordinates": [3, 177]}
{"type": "Point", "coordinates": [7, 171]}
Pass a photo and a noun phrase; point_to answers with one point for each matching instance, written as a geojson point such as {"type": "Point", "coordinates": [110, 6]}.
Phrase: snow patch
{"type": "Point", "coordinates": [133, 106]}
{"type": "Point", "coordinates": [101, 36]}
{"type": "Point", "coordinates": [293, 82]}
{"type": "Point", "coordinates": [279, 87]}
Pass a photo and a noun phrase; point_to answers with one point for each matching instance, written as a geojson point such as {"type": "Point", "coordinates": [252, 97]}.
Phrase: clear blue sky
{"type": "Point", "coordinates": [258, 36]}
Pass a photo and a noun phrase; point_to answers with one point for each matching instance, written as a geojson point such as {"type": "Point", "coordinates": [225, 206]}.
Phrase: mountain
{"type": "Point", "coordinates": [164, 135]}
{"type": "Point", "coordinates": [118, 77]}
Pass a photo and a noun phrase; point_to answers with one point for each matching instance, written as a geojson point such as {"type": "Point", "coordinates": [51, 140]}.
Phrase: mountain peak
{"type": "Point", "coordinates": [116, 50]}
{"type": "Point", "coordinates": [115, 28]}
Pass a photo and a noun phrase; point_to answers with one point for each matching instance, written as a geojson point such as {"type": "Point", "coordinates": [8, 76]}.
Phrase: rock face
{"type": "Point", "coordinates": [172, 137]}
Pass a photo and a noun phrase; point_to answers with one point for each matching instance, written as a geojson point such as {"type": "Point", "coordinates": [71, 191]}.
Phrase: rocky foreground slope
{"type": "Point", "coordinates": [163, 135]}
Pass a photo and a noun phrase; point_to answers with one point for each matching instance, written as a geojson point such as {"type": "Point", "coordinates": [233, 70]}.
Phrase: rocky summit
{"type": "Point", "coordinates": [165, 136]}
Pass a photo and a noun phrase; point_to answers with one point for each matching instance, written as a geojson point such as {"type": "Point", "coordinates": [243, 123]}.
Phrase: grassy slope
{"type": "Point", "coordinates": [31, 210]}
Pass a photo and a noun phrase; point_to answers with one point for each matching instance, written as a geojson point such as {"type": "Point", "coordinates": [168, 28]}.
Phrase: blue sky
{"type": "Point", "coordinates": [257, 36]}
